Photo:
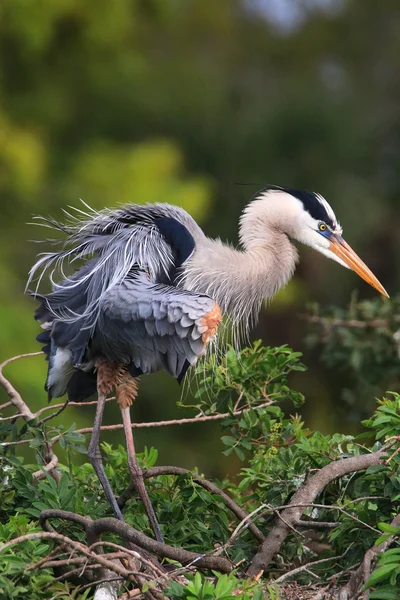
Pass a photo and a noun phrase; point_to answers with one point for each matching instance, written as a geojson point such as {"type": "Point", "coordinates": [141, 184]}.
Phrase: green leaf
{"type": "Point", "coordinates": [175, 589]}
{"type": "Point", "coordinates": [391, 555]}
{"type": "Point", "coordinates": [224, 586]}
{"type": "Point", "coordinates": [228, 440]}
{"type": "Point", "coordinates": [387, 528]}
{"type": "Point", "coordinates": [379, 574]}
{"type": "Point", "coordinates": [385, 593]}
{"type": "Point", "coordinates": [382, 539]}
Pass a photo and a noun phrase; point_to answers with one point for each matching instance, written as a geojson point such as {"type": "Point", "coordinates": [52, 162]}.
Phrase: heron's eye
{"type": "Point", "coordinates": [322, 226]}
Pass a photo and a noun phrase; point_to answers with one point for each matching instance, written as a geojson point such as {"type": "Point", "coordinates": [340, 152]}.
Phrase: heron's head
{"type": "Point", "coordinates": [308, 218]}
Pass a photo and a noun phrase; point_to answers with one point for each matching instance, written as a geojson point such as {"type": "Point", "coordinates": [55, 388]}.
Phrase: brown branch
{"type": "Point", "coordinates": [152, 566]}
{"type": "Point", "coordinates": [51, 556]}
{"type": "Point", "coordinates": [111, 525]}
{"type": "Point", "coordinates": [331, 507]}
{"type": "Point", "coordinates": [317, 524]}
{"type": "Point", "coordinates": [6, 405]}
{"type": "Point", "coordinates": [94, 529]}
{"type": "Point", "coordinates": [50, 467]}
{"type": "Point", "coordinates": [354, 586]}
{"type": "Point", "coordinates": [50, 535]}
{"type": "Point", "coordinates": [305, 495]}
{"type": "Point", "coordinates": [265, 508]}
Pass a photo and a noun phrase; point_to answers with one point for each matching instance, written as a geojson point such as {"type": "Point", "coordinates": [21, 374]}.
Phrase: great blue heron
{"type": "Point", "coordinates": [152, 291]}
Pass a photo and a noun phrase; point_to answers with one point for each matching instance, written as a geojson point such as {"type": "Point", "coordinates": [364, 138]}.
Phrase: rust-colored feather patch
{"type": "Point", "coordinates": [126, 390]}
{"type": "Point", "coordinates": [107, 375]}
{"type": "Point", "coordinates": [210, 322]}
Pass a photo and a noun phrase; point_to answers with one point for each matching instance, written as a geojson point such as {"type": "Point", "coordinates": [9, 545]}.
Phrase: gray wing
{"type": "Point", "coordinates": [80, 314]}
{"type": "Point", "coordinates": [153, 326]}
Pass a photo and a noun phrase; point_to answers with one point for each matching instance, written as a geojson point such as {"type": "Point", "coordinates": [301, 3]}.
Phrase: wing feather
{"type": "Point", "coordinates": [152, 325]}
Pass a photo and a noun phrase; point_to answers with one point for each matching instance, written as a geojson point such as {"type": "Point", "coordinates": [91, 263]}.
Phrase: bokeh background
{"type": "Point", "coordinates": [118, 101]}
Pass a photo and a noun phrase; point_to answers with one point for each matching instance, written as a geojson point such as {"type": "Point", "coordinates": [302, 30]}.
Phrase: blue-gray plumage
{"type": "Point", "coordinates": [124, 304]}
{"type": "Point", "coordinates": [151, 289]}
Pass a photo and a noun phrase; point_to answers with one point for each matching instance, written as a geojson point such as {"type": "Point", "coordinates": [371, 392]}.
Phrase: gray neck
{"type": "Point", "coordinates": [239, 280]}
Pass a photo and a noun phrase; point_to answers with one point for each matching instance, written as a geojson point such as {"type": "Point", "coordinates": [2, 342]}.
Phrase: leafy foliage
{"type": "Point", "coordinates": [278, 455]}
{"type": "Point", "coordinates": [148, 101]}
{"type": "Point", "coordinates": [223, 588]}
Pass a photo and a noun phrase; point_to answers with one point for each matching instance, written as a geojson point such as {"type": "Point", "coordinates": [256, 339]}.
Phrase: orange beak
{"type": "Point", "coordinates": [349, 257]}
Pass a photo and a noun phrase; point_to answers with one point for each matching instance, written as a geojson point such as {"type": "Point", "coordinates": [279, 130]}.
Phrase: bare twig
{"type": "Point", "coordinates": [147, 425]}
{"type": "Point", "coordinates": [287, 523]}
{"type": "Point", "coordinates": [185, 421]}
{"type": "Point", "coordinates": [244, 524]}
{"type": "Point", "coordinates": [28, 415]}
{"type": "Point", "coordinates": [268, 508]}
{"type": "Point", "coordinates": [66, 540]}
{"type": "Point", "coordinates": [330, 322]}
{"type": "Point", "coordinates": [70, 403]}
{"type": "Point", "coordinates": [73, 560]}
{"type": "Point", "coordinates": [338, 507]}
{"type": "Point", "coordinates": [69, 574]}
{"type": "Point", "coordinates": [53, 414]}
{"type": "Point", "coordinates": [333, 506]}
{"type": "Point", "coordinates": [11, 417]}
{"type": "Point", "coordinates": [308, 566]}
{"type": "Point", "coordinates": [16, 398]}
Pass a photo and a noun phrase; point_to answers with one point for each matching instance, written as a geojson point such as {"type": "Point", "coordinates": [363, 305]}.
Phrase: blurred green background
{"type": "Point", "coordinates": [118, 101]}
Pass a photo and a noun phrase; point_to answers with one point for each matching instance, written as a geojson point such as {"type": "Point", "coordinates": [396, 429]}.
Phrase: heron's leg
{"type": "Point", "coordinates": [137, 475]}
{"type": "Point", "coordinates": [94, 453]}
{"type": "Point", "coordinates": [126, 392]}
